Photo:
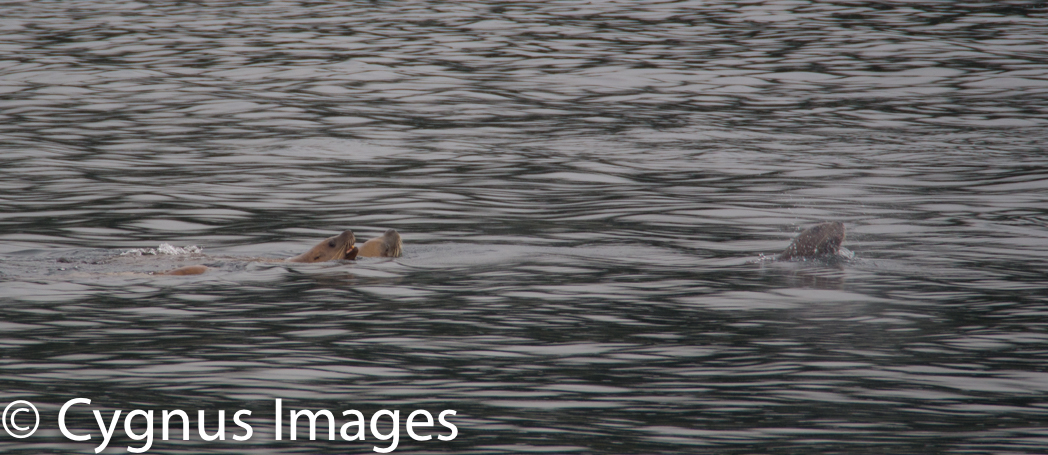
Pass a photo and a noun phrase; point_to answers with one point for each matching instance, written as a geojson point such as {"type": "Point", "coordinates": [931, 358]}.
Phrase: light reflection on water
{"type": "Point", "coordinates": [582, 193]}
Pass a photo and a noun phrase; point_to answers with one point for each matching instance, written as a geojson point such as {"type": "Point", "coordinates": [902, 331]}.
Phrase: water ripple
{"type": "Point", "coordinates": [582, 190]}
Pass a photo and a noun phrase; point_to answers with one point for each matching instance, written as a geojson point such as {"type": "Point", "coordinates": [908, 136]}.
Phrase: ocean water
{"type": "Point", "coordinates": [585, 191]}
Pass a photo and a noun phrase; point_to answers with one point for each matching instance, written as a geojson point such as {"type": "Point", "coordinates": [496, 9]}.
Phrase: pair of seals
{"type": "Point", "coordinates": [821, 241]}
{"type": "Point", "coordinates": [339, 247]}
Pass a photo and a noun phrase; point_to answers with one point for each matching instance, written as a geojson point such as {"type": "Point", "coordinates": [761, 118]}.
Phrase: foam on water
{"type": "Point", "coordinates": [165, 249]}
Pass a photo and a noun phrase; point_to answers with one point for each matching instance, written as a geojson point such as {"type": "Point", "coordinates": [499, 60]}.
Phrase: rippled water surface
{"type": "Point", "coordinates": [584, 191]}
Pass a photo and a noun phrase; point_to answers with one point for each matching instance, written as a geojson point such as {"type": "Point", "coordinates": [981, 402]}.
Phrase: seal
{"type": "Point", "coordinates": [819, 241]}
{"type": "Point", "coordinates": [332, 248]}
{"type": "Point", "coordinates": [339, 247]}
{"type": "Point", "coordinates": [387, 245]}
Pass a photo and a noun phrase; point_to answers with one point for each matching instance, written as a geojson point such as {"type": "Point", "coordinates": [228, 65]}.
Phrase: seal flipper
{"type": "Point", "coordinates": [819, 241]}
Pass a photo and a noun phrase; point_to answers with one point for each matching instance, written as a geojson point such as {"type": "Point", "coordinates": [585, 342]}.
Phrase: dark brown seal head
{"type": "Point", "coordinates": [330, 249]}
{"type": "Point", "coordinates": [387, 245]}
{"type": "Point", "coordinates": [820, 241]}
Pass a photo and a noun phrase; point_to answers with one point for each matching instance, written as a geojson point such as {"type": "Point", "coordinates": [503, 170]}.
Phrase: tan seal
{"type": "Point", "coordinates": [820, 241]}
{"type": "Point", "coordinates": [387, 245]}
{"type": "Point", "coordinates": [339, 247]}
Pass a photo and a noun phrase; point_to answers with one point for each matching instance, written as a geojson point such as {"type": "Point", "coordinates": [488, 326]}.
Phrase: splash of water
{"type": "Point", "coordinates": [164, 249]}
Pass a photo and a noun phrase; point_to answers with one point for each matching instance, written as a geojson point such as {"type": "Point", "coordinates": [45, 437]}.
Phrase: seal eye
{"type": "Point", "coordinates": [331, 244]}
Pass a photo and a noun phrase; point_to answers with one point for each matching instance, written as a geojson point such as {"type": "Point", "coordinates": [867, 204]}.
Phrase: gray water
{"type": "Point", "coordinates": [584, 190]}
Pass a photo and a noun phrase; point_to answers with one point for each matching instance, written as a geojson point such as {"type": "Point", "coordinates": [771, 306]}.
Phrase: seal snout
{"type": "Point", "coordinates": [348, 238]}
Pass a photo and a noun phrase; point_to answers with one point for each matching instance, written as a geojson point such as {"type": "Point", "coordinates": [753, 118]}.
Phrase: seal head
{"type": "Point", "coordinates": [819, 241]}
{"type": "Point", "coordinates": [387, 245]}
{"type": "Point", "coordinates": [330, 249]}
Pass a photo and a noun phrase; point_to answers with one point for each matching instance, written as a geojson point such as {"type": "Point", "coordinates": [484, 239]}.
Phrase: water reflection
{"type": "Point", "coordinates": [582, 191]}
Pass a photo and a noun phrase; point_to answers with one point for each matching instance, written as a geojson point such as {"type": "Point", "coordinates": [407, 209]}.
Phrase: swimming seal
{"type": "Point", "coordinates": [819, 241]}
{"type": "Point", "coordinates": [339, 247]}
{"type": "Point", "coordinates": [387, 245]}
